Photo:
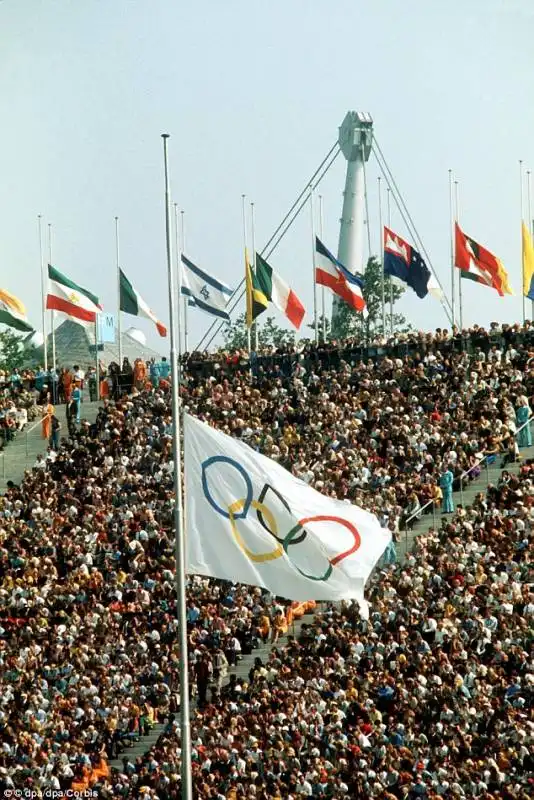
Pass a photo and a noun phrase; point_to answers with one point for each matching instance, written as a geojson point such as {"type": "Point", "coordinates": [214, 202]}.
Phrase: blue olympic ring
{"type": "Point", "coordinates": [244, 474]}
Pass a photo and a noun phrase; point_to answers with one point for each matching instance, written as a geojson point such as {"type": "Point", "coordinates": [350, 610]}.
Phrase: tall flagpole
{"type": "Point", "coordinates": [521, 210]}
{"type": "Point", "coordinates": [253, 243]}
{"type": "Point", "coordinates": [43, 293]}
{"type": "Point", "coordinates": [382, 276]}
{"type": "Point", "coordinates": [118, 268]}
{"type": "Point", "coordinates": [391, 322]}
{"type": "Point", "coordinates": [323, 310]}
{"type": "Point", "coordinates": [312, 217]}
{"type": "Point", "coordinates": [185, 299]}
{"type": "Point", "coordinates": [529, 212]}
{"type": "Point", "coordinates": [245, 245]}
{"type": "Point", "coordinates": [185, 742]}
{"type": "Point", "coordinates": [457, 218]}
{"type": "Point", "coordinates": [52, 314]}
{"type": "Point", "coordinates": [451, 231]}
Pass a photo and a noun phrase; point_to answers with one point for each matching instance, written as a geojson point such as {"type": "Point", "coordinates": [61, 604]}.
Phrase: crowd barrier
{"type": "Point", "coordinates": [330, 357]}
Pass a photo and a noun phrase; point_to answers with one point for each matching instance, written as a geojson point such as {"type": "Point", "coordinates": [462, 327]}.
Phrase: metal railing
{"type": "Point", "coordinates": [483, 460]}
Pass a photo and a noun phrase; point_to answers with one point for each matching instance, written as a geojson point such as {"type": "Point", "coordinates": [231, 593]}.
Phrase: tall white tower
{"type": "Point", "coordinates": [355, 141]}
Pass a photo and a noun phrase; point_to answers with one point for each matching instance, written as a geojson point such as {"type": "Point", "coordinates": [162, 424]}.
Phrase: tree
{"type": "Point", "coordinates": [11, 350]}
{"type": "Point", "coordinates": [269, 334]}
{"type": "Point", "coordinates": [322, 323]}
{"type": "Point", "coordinates": [349, 323]}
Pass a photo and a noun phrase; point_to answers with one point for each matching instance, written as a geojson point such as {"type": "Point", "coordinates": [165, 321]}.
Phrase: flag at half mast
{"type": "Point", "coordinates": [71, 299]}
{"type": "Point", "coordinates": [278, 292]}
{"type": "Point", "coordinates": [13, 313]}
{"type": "Point", "coordinates": [257, 301]}
{"type": "Point", "coordinates": [132, 303]}
{"type": "Point", "coordinates": [478, 264]}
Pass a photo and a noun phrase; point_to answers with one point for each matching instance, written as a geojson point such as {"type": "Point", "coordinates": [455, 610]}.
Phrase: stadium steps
{"type": "Point", "coordinates": [21, 454]}
{"type": "Point", "coordinates": [242, 668]}
{"type": "Point", "coordinates": [488, 476]}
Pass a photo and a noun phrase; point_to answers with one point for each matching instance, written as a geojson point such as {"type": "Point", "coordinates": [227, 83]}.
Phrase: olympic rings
{"type": "Point", "coordinates": [260, 558]}
{"type": "Point", "coordinates": [239, 510]}
{"type": "Point", "coordinates": [284, 502]}
{"type": "Point", "coordinates": [247, 502]}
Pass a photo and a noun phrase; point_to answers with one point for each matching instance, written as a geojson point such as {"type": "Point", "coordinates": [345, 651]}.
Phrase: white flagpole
{"type": "Point", "coordinates": [52, 314]}
{"type": "Point", "coordinates": [44, 284]}
{"type": "Point", "coordinates": [522, 216]}
{"type": "Point", "coordinates": [253, 242]}
{"type": "Point", "coordinates": [391, 323]}
{"type": "Point", "coordinates": [529, 212]}
{"type": "Point", "coordinates": [451, 231]}
{"type": "Point", "coordinates": [118, 265]}
{"type": "Point", "coordinates": [185, 299]}
{"type": "Point", "coordinates": [312, 218]}
{"type": "Point", "coordinates": [97, 360]}
{"type": "Point", "coordinates": [243, 200]}
{"type": "Point", "coordinates": [323, 310]}
{"type": "Point", "coordinates": [185, 742]}
{"type": "Point", "coordinates": [382, 276]}
{"type": "Point", "coordinates": [457, 218]}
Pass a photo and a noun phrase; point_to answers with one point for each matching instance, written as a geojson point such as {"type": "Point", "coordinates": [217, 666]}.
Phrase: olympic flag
{"type": "Point", "coordinates": [249, 520]}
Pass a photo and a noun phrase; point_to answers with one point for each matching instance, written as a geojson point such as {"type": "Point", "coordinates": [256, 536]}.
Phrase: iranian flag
{"type": "Point", "coordinates": [132, 303]}
{"type": "Point", "coordinates": [70, 299]}
{"type": "Point", "coordinates": [278, 292]}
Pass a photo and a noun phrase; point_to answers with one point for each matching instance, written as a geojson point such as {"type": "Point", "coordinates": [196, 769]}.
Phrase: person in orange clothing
{"type": "Point", "coordinates": [140, 374]}
{"type": "Point", "coordinates": [67, 384]}
{"type": "Point", "coordinates": [46, 424]}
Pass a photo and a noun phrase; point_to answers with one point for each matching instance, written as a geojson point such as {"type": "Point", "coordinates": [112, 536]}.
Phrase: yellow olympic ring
{"type": "Point", "coordinates": [260, 558]}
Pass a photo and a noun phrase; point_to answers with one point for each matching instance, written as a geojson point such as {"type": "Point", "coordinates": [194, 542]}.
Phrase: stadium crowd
{"type": "Point", "coordinates": [431, 698]}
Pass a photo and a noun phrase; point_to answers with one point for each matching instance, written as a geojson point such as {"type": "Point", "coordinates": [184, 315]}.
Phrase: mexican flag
{"type": "Point", "coordinates": [278, 292]}
{"type": "Point", "coordinates": [13, 313]}
{"type": "Point", "coordinates": [70, 299]}
{"type": "Point", "coordinates": [132, 303]}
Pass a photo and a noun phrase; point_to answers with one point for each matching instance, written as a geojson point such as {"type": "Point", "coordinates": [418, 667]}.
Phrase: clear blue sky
{"type": "Point", "coordinates": [252, 94]}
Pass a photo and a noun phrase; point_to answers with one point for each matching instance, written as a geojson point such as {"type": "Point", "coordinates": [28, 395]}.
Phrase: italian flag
{"type": "Point", "coordinates": [278, 292]}
{"type": "Point", "coordinates": [70, 299]}
{"type": "Point", "coordinates": [131, 302]}
{"type": "Point", "coordinates": [12, 312]}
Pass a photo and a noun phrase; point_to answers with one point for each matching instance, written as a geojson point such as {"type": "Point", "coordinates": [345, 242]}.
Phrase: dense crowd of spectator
{"type": "Point", "coordinates": [430, 698]}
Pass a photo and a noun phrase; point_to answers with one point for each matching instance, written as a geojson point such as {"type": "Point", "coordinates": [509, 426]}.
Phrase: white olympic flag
{"type": "Point", "coordinates": [250, 521]}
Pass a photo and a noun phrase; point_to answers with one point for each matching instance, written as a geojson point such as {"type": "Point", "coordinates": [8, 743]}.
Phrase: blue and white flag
{"type": "Point", "coordinates": [203, 290]}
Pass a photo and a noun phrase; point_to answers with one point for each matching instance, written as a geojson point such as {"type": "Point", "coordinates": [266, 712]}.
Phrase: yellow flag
{"type": "Point", "coordinates": [248, 280]}
{"type": "Point", "coordinates": [528, 263]}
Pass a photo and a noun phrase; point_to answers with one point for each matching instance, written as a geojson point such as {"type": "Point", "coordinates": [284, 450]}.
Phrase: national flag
{"type": "Point", "coordinates": [278, 292]}
{"type": "Point", "coordinates": [249, 520]}
{"type": "Point", "coordinates": [132, 303]}
{"type": "Point", "coordinates": [402, 261]}
{"type": "Point", "coordinates": [71, 299]}
{"type": "Point", "coordinates": [12, 312]}
{"type": "Point", "coordinates": [478, 264]}
{"type": "Point", "coordinates": [257, 302]}
{"type": "Point", "coordinates": [528, 263]}
{"type": "Point", "coordinates": [331, 273]}
{"type": "Point", "coordinates": [203, 290]}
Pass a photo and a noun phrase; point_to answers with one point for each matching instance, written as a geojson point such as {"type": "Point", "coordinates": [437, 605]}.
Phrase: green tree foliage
{"type": "Point", "coordinates": [269, 334]}
{"type": "Point", "coordinates": [348, 323]}
{"type": "Point", "coordinates": [11, 352]}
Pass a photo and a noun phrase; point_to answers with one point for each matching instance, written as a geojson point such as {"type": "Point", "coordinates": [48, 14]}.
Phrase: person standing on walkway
{"type": "Point", "coordinates": [203, 673]}
{"type": "Point", "coordinates": [77, 398]}
{"type": "Point", "coordinates": [46, 425]}
{"type": "Point", "coordinates": [524, 437]}
{"type": "Point", "coordinates": [56, 432]}
{"type": "Point", "coordinates": [446, 480]}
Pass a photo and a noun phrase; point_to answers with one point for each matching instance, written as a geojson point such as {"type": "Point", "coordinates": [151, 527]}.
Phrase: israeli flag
{"type": "Point", "coordinates": [203, 290]}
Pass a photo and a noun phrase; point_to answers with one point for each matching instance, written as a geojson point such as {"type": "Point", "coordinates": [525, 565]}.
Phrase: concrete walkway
{"type": "Point", "coordinates": [21, 454]}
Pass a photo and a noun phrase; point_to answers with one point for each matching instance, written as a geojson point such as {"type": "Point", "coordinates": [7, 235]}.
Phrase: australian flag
{"type": "Point", "coordinates": [403, 262]}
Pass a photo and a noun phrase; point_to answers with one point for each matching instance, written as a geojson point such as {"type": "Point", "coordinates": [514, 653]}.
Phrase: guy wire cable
{"type": "Point", "coordinates": [408, 221]}
{"type": "Point", "coordinates": [329, 159]}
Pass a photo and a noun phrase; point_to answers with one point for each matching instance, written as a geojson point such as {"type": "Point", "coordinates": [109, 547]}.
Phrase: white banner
{"type": "Point", "coordinates": [248, 520]}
